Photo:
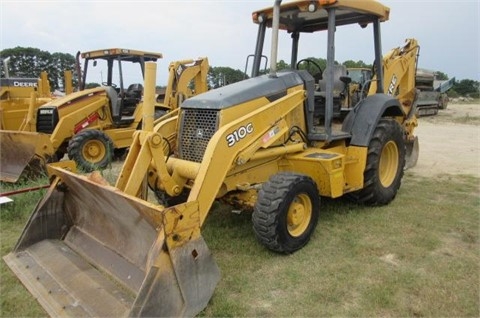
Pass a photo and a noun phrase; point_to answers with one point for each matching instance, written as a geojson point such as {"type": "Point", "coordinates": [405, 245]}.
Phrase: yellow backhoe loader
{"type": "Point", "coordinates": [92, 125]}
{"type": "Point", "coordinates": [91, 249]}
{"type": "Point", "coordinates": [20, 97]}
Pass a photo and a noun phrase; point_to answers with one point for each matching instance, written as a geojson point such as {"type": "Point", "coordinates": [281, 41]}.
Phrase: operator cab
{"type": "Point", "coordinates": [116, 65]}
{"type": "Point", "coordinates": [327, 89]}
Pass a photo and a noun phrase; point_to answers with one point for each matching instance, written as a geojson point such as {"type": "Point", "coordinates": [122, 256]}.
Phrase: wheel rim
{"type": "Point", "coordinates": [299, 215]}
{"type": "Point", "coordinates": [94, 151]}
{"type": "Point", "coordinates": [388, 164]}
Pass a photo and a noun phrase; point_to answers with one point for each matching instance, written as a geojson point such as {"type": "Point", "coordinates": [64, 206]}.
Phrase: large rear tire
{"type": "Point", "coordinates": [286, 212]}
{"type": "Point", "coordinates": [91, 150]}
{"type": "Point", "coordinates": [385, 162]}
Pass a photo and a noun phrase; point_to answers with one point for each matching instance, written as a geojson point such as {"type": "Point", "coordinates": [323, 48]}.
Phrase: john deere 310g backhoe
{"type": "Point", "coordinates": [90, 249]}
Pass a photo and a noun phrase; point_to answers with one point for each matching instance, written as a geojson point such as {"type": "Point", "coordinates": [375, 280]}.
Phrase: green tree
{"type": "Point", "coordinates": [92, 85]}
{"type": "Point", "coordinates": [282, 65]}
{"type": "Point", "coordinates": [221, 76]}
{"type": "Point", "coordinates": [60, 63]}
{"type": "Point", "coordinates": [441, 76]}
{"type": "Point", "coordinates": [467, 87]}
{"type": "Point", "coordinates": [356, 64]}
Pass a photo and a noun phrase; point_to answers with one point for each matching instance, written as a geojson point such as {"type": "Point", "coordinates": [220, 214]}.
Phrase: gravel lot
{"type": "Point", "coordinates": [450, 141]}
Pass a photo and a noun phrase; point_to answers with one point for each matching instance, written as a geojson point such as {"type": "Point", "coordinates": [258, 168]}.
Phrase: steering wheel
{"type": "Point", "coordinates": [106, 84]}
{"type": "Point", "coordinates": [318, 75]}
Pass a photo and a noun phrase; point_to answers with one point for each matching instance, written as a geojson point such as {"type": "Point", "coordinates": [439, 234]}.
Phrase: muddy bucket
{"type": "Point", "coordinates": [23, 151]}
{"type": "Point", "coordinates": [91, 250]}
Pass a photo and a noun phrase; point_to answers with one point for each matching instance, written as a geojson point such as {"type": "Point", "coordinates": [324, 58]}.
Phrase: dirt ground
{"type": "Point", "coordinates": [450, 141]}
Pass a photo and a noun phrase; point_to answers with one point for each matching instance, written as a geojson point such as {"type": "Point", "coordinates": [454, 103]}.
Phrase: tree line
{"type": "Point", "coordinates": [30, 62]}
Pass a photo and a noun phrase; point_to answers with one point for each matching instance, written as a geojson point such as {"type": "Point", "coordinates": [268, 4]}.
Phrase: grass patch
{"type": "Point", "coordinates": [418, 256]}
{"type": "Point", "coordinates": [15, 301]}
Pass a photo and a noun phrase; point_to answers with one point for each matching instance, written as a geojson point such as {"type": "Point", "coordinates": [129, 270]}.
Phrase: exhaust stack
{"type": "Point", "coordinates": [275, 27]}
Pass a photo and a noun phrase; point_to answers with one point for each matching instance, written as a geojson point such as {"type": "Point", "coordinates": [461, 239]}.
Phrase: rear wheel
{"type": "Point", "coordinates": [91, 150]}
{"type": "Point", "coordinates": [385, 162]}
{"type": "Point", "coordinates": [286, 212]}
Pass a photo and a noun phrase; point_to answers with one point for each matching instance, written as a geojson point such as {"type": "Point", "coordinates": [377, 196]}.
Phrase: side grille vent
{"type": "Point", "coordinates": [197, 126]}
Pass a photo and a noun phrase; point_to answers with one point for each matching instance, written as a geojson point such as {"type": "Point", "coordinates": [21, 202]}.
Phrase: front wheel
{"type": "Point", "coordinates": [385, 165]}
{"type": "Point", "coordinates": [91, 150]}
{"type": "Point", "coordinates": [286, 212]}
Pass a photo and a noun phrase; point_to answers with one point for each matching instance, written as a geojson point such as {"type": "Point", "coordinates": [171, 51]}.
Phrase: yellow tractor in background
{"type": "Point", "coordinates": [21, 96]}
{"type": "Point", "coordinates": [262, 144]}
{"type": "Point", "coordinates": [94, 124]}
{"type": "Point", "coordinates": [357, 89]}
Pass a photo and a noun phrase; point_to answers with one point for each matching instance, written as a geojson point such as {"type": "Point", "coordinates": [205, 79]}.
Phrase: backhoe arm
{"type": "Point", "coordinates": [399, 69]}
{"type": "Point", "coordinates": [181, 73]}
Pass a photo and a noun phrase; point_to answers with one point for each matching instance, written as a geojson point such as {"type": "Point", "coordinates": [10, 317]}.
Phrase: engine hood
{"type": "Point", "coordinates": [244, 91]}
{"type": "Point", "coordinates": [74, 97]}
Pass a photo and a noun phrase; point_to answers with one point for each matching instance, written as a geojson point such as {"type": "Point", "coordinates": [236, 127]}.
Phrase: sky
{"type": "Point", "coordinates": [222, 30]}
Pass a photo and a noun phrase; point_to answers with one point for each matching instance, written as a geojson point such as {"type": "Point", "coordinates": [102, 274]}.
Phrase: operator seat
{"type": "Point", "coordinates": [135, 91]}
{"type": "Point", "coordinates": [133, 96]}
{"type": "Point", "coordinates": [114, 102]}
{"type": "Point", "coordinates": [339, 85]}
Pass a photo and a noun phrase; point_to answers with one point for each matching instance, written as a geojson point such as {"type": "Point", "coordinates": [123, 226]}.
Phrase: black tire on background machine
{"type": "Point", "coordinates": [274, 205]}
{"type": "Point", "coordinates": [79, 141]}
{"type": "Point", "coordinates": [387, 133]}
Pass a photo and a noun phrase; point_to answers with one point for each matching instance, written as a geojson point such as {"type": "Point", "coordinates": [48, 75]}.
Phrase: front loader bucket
{"type": "Point", "coordinates": [19, 150]}
{"type": "Point", "coordinates": [91, 250]}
